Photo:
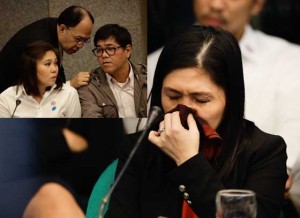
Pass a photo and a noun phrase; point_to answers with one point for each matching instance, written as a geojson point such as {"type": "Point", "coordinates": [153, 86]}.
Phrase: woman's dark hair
{"type": "Point", "coordinates": [72, 16]}
{"type": "Point", "coordinates": [217, 53]}
{"type": "Point", "coordinates": [119, 33]}
{"type": "Point", "coordinates": [28, 67]}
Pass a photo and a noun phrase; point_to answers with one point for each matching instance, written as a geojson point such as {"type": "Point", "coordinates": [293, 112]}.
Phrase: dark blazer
{"type": "Point", "coordinates": [44, 29]}
{"type": "Point", "coordinates": [150, 186]}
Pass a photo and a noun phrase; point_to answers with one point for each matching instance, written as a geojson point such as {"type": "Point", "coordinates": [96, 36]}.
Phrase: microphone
{"type": "Point", "coordinates": [155, 113]}
{"type": "Point", "coordinates": [18, 102]}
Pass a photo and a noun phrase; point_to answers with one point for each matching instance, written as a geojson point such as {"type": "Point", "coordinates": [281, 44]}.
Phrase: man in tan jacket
{"type": "Point", "coordinates": [118, 88]}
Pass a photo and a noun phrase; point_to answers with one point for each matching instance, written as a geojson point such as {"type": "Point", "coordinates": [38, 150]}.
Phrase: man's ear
{"type": "Point", "coordinates": [128, 49]}
{"type": "Point", "coordinates": [257, 6]}
{"type": "Point", "coordinates": [62, 27]}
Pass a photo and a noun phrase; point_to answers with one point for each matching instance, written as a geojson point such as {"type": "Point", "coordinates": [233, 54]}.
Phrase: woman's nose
{"type": "Point", "coordinates": [187, 102]}
{"type": "Point", "coordinates": [54, 69]}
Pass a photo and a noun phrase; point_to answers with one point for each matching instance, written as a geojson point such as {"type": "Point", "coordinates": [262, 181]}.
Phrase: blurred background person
{"type": "Point", "coordinates": [40, 91]}
{"type": "Point", "coordinates": [166, 18]}
{"type": "Point", "coordinates": [118, 88]}
{"type": "Point", "coordinates": [68, 33]}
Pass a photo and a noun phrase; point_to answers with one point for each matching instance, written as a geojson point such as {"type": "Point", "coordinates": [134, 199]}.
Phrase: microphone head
{"type": "Point", "coordinates": [18, 102]}
{"type": "Point", "coordinates": [155, 113]}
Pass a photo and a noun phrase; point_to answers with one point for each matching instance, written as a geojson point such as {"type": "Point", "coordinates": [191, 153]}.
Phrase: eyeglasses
{"type": "Point", "coordinates": [79, 39]}
{"type": "Point", "coordinates": [109, 50]}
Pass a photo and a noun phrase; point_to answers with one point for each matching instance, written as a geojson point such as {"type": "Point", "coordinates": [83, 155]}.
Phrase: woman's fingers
{"type": "Point", "coordinates": [174, 140]}
{"type": "Point", "coordinates": [168, 122]}
{"type": "Point", "coordinates": [161, 127]}
{"type": "Point", "coordinates": [154, 137]}
{"type": "Point", "coordinates": [176, 123]}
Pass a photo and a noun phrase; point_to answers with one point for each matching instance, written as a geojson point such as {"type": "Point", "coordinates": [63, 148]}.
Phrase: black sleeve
{"type": "Point", "coordinates": [261, 169]}
{"type": "Point", "coordinates": [267, 175]}
{"type": "Point", "coordinates": [9, 62]}
{"type": "Point", "coordinates": [201, 183]}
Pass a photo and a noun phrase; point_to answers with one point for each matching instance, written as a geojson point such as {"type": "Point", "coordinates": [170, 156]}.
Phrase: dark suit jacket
{"type": "Point", "coordinates": [44, 29]}
{"type": "Point", "coordinates": [150, 186]}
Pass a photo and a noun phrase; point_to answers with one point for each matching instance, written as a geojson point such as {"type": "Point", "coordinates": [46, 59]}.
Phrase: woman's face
{"type": "Point", "coordinates": [47, 70]}
{"type": "Point", "coordinates": [194, 88]}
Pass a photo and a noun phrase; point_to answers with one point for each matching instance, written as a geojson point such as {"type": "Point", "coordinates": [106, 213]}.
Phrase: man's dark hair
{"type": "Point", "coordinates": [119, 33]}
{"type": "Point", "coordinates": [33, 52]}
{"type": "Point", "coordinates": [72, 16]}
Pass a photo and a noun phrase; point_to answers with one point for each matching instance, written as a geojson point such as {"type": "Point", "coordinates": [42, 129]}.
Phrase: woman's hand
{"type": "Point", "coordinates": [176, 141]}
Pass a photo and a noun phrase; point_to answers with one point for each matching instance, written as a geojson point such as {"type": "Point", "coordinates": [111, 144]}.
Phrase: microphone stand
{"type": "Point", "coordinates": [106, 198]}
{"type": "Point", "coordinates": [156, 111]}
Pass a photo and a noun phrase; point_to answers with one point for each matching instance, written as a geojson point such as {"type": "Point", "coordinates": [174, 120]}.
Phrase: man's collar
{"type": "Point", "coordinates": [248, 44]}
{"type": "Point", "coordinates": [128, 79]}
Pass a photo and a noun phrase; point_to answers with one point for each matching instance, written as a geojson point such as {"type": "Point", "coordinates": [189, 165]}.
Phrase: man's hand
{"type": "Point", "coordinates": [81, 79]}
